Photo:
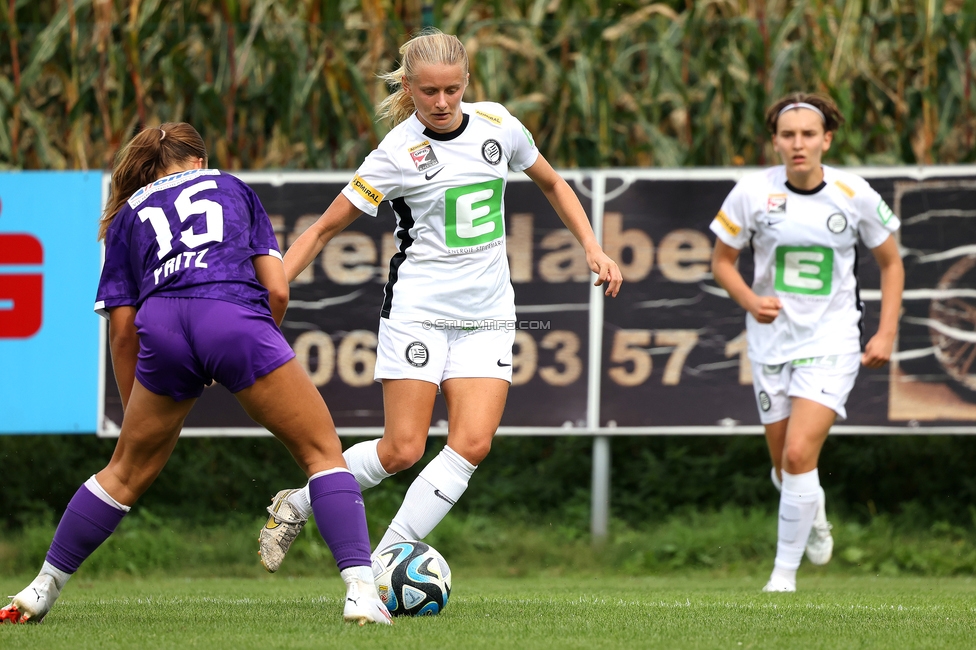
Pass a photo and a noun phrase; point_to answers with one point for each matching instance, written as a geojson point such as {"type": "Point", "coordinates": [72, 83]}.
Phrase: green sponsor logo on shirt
{"type": "Point", "coordinates": [473, 214]}
{"type": "Point", "coordinates": [528, 135]}
{"type": "Point", "coordinates": [884, 212]}
{"type": "Point", "coordinates": [804, 269]}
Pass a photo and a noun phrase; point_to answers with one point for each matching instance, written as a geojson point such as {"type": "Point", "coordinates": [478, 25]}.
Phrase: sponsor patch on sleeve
{"type": "Point", "coordinates": [846, 190]}
{"type": "Point", "coordinates": [884, 212]}
{"type": "Point", "coordinates": [365, 190]}
{"type": "Point", "coordinates": [727, 223]}
{"type": "Point", "coordinates": [494, 119]}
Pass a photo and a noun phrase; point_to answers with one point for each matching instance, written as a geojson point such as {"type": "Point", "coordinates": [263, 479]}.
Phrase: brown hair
{"type": "Point", "coordinates": [429, 46]}
{"type": "Point", "coordinates": [832, 117]}
{"type": "Point", "coordinates": [145, 158]}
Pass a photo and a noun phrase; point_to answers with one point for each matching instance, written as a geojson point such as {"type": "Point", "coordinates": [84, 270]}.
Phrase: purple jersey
{"type": "Point", "coordinates": [188, 235]}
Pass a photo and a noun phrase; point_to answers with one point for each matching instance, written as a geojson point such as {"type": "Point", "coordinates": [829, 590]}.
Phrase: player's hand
{"type": "Point", "coordinates": [765, 309]}
{"type": "Point", "coordinates": [878, 351]}
{"type": "Point", "coordinates": [607, 271]}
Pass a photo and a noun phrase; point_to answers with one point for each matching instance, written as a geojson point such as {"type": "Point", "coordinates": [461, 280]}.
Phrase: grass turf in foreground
{"type": "Point", "coordinates": [694, 611]}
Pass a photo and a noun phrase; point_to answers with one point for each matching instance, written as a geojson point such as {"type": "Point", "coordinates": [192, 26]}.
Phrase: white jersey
{"type": "Point", "coordinates": [447, 190]}
{"type": "Point", "coordinates": [805, 254]}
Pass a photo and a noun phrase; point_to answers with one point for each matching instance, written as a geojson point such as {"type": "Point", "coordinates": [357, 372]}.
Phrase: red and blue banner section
{"type": "Point", "coordinates": [49, 335]}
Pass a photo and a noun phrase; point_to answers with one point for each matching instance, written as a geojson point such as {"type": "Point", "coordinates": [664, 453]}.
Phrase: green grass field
{"type": "Point", "coordinates": [680, 611]}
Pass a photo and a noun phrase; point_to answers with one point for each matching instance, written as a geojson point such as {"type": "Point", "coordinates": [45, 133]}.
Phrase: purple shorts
{"type": "Point", "coordinates": [184, 343]}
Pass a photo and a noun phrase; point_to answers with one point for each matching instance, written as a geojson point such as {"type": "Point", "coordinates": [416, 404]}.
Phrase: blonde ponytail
{"type": "Point", "coordinates": [431, 46]}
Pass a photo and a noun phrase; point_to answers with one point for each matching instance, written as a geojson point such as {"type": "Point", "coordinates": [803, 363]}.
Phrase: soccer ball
{"type": "Point", "coordinates": [412, 578]}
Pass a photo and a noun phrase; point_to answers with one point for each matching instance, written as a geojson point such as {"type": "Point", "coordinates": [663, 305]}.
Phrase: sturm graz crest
{"type": "Point", "coordinates": [491, 151]}
{"type": "Point", "coordinates": [417, 355]}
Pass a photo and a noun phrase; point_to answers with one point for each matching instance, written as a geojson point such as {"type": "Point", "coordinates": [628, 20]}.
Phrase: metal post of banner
{"type": "Point", "coordinates": [600, 490]}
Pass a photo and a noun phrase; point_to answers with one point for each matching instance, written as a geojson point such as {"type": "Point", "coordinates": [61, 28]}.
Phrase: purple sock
{"type": "Point", "coordinates": [341, 517]}
{"type": "Point", "coordinates": [86, 523]}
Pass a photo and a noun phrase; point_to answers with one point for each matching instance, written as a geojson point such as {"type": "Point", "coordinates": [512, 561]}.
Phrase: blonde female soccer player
{"type": "Point", "coordinates": [803, 220]}
{"type": "Point", "coordinates": [443, 168]}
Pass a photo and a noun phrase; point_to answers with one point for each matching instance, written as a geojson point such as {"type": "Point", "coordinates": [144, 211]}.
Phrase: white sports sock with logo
{"type": "Point", "coordinates": [797, 509]}
{"type": "Point", "coordinates": [430, 497]}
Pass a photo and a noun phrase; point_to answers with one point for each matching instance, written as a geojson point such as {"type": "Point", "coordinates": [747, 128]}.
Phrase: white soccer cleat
{"type": "Point", "coordinates": [33, 603]}
{"type": "Point", "coordinates": [820, 544]}
{"type": "Point", "coordinates": [779, 584]}
{"type": "Point", "coordinates": [363, 605]}
{"type": "Point", "coordinates": [284, 524]}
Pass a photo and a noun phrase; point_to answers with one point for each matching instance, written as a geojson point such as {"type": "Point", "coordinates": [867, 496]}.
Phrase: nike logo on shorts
{"type": "Point", "coordinates": [430, 175]}
{"type": "Point", "coordinates": [503, 365]}
{"type": "Point", "coordinates": [441, 495]}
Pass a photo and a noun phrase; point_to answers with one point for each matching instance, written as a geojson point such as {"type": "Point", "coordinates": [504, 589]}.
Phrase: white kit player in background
{"type": "Point", "coordinates": [803, 220]}
{"type": "Point", "coordinates": [443, 168]}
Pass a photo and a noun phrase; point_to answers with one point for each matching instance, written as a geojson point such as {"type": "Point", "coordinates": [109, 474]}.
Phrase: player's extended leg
{"type": "Point", "coordinates": [776, 441]}
{"type": "Point", "coordinates": [474, 407]}
{"type": "Point", "coordinates": [150, 429]}
{"type": "Point", "coordinates": [806, 432]}
{"type": "Point", "coordinates": [285, 402]}
{"type": "Point", "coordinates": [407, 405]}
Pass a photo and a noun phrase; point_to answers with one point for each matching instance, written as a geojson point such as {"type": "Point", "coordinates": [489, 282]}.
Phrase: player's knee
{"type": "Point", "coordinates": [474, 451]}
{"type": "Point", "coordinates": [795, 458]}
{"type": "Point", "coordinates": [403, 455]}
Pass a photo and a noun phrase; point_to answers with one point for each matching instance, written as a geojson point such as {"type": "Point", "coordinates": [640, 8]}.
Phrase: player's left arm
{"type": "Point", "coordinates": [270, 272]}
{"type": "Point", "coordinates": [878, 350]}
{"type": "Point", "coordinates": [567, 205]}
{"type": "Point", "coordinates": [124, 343]}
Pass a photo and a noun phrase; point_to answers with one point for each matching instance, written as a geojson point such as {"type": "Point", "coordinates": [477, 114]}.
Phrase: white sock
{"type": "Point", "coordinates": [430, 497]}
{"type": "Point", "coordinates": [786, 574]}
{"type": "Point", "coordinates": [96, 488]}
{"type": "Point", "coordinates": [797, 509]}
{"type": "Point", "coordinates": [364, 463]}
{"type": "Point", "coordinates": [60, 577]}
{"type": "Point", "coordinates": [301, 499]}
{"type": "Point", "coordinates": [778, 484]}
{"type": "Point", "coordinates": [361, 573]}
{"type": "Point", "coordinates": [390, 537]}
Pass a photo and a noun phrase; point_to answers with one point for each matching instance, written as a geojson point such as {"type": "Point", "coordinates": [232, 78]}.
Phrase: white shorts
{"type": "Point", "coordinates": [825, 380]}
{"type": "Point", "coordinates": [409, 350]}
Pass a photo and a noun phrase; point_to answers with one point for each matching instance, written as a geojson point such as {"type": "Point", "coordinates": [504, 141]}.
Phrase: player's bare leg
{"type": "Point", "coordinates": [802, 496]}
{"type": "Point", "coordinates": [150, 429]}
{"type": "Point", "coordinates": [286, 403]}
{"type": "Point", "coordinates": [474, 407]}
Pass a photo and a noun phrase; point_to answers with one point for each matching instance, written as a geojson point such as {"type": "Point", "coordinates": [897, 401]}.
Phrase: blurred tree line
{"type": "Point", "coordinates": [292, 83]}
{"type": "Point", "coordinates": [914, 480]}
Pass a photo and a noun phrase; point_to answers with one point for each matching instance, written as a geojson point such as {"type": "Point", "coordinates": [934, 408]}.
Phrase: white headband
{"type": "Point", "coordinates": [790, 107]}
{"type": "Point", "coordinates": [162, 136]}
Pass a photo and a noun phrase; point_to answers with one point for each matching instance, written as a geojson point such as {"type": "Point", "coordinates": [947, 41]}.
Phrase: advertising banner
{"type": "Point", "coordinates": [671, 352]}
{"type": "Point", "coordinates": [49, 335]}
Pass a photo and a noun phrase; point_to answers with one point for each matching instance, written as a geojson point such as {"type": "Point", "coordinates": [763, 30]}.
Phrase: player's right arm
{"type": "Point", "coordinates": [124, 343]}
{"type": "Point", "coordinates": [333, 221]}
{"type": "Point", "coordinates": [733, 226]}
{"type": "Point", "coordinates": [764, 309]}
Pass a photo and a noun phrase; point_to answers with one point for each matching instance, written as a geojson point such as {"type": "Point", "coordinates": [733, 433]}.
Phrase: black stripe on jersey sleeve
{"type": "Point", "coordinates": [405, 217]}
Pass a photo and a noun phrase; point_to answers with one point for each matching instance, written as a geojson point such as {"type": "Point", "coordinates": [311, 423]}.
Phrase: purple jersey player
{"type": "Point", "coordinates": [194, 290]}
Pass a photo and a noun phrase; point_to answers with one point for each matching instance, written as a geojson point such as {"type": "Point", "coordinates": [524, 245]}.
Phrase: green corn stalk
{"type": "Point", "coordinates": [601, 83]}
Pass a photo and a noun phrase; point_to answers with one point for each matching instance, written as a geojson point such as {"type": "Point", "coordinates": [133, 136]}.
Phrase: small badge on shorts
{"type": "Point", "coordinates": [764, 402]}
{"type": "Point", "coordinates": [837, 223]}
{"type": "Point", "coordinates": [416, 354]}
{"type": "Point", "coordinates": [491, 151]}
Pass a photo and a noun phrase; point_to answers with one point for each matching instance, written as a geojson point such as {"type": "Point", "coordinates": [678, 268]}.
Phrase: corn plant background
{"type": "Point", "coordinates": [601, 83]}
